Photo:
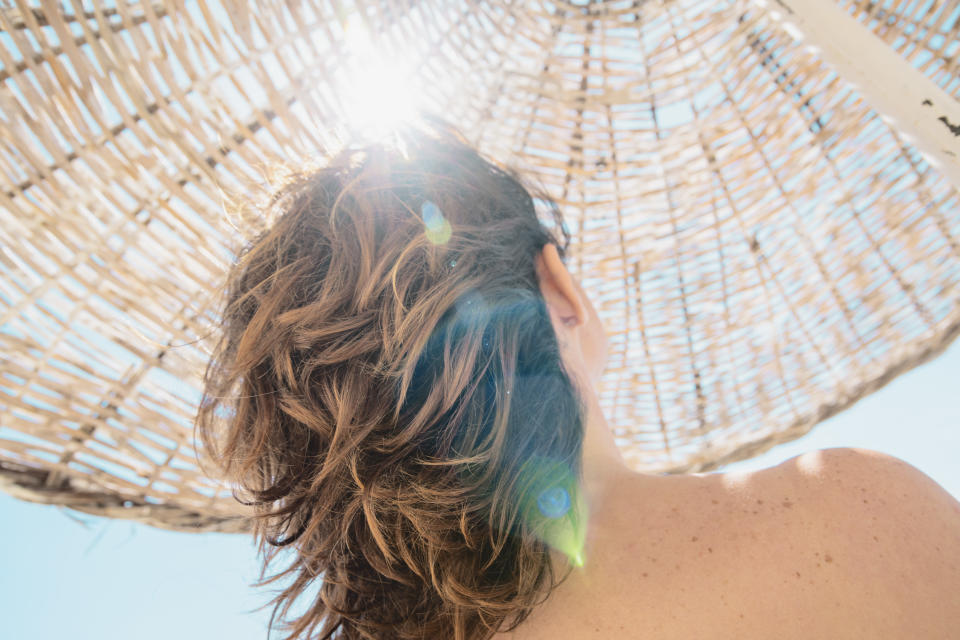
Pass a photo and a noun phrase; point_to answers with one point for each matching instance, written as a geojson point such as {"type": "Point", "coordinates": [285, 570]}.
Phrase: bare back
{"type": "Point", "coordinates": [713, 556]}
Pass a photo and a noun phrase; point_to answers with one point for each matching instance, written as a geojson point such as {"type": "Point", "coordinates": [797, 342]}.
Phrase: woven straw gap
{"type": "Point", "coordinates": [53, 434]}
{"type": "Point", "coordinates": [122, 221]}
{"type": "Point", "coordinates": [921, 309]}
{"type": "Point", "coordinates": [192, 479]}
{"type": "Point", "coordinates": [538, 100]}
{"type": "Point", "coordinates": [865, 9]}
{"type": "Point", "coordinates": [73, 155]}
{"type": "Point", "coordinates": [916, 357]}
{"type": "Point", "coordinates": [116, 395]}
{"type": "Point", "coordinates": [114, 391]}
{"type": "Point", "coordinates": [281, 101]}
{"type": "Point", "coordinates": [173, 87]}
{"type": "Point", "coordinates": [919, 188]}
{"type": "Point", "coordinates": [26, 483]}
{"type": "Point", "coordinates": [937, 28]}
{"type": "Point", "coordinates": [866, 232]}
{"type": "Point", "coordinates": [121, 457]}
{"type": "Point", "coordinates": [784, 86]}
{"type": "Point", "coordinates": [723, 277]}
{"type": "Point", "coordinates": [78, 41]}
{"type": "Point", "coordinates": [704, 144]}
{"type": "Point", "coordinates": [618, 208]}
{"type": "Point", "coordinates": [23, 44]}
{"type": "Point", "coordinates": [520, 20]}
{"type": "Point", "coordinates": [37, 292]}
{"type": "Point", "coordinates": [676, 253]}
{"type": "Point", "coordinates": [57, 392]}
{"type": "Point", "coordinates": [76, 467]}
{"type": "Point", "coordinates": [668, 449]}
{"type": "Point", "coordinates": [864, 12]}
{"type": "Point", "coordinates": [576, 157]}
{"type": "Point", "coordinates": [801, 226]}
{"type": "Point", "coordinates": [638, 282]}
{"type": "Point", "coordinates": [40, 17]}
{"type": "Point", "coordinates": [527, 129]}
{"type": "Point", "coordinates": [152, 108]}
{"type": "Point", "coordinates": [755, 252]}
{"type": "Point", "coordinates": [927, 198]}
{"type": "Point", "coordinates": [135, 96]}
{"type": "Point", "coordinates": [97, 477]}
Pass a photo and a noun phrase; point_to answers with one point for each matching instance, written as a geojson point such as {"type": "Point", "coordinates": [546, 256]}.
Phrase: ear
{"type": "Point", "coordinates": [557, 286]}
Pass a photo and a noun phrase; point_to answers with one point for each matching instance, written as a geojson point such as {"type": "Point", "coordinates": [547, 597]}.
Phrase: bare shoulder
{"type": "Point", "coordinates": [898, 529]}
{"type": "Point", "coordinates": [837, 543]}
{"type": "Point", "coordinates": [870, 484]}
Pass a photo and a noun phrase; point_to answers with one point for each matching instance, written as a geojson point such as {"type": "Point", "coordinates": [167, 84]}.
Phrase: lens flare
{"type": "Point", "coordinates": [554, 502]}
{"type": "Point", "coordinates": [438, 228]}
{"type": "Point", "coordinates": [554, 506]}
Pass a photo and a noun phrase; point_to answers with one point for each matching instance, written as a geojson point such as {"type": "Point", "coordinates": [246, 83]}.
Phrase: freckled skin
{"type": "Point", "coordinates": [697, 557]}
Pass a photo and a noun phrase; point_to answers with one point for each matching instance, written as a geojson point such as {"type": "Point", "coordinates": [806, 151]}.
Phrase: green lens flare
{"type": "Point", "coordinates": [438, 228]}
{"type": "Point", "coordinates": [553, 506]}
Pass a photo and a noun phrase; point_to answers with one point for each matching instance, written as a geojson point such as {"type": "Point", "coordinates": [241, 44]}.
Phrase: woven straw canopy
{"type": "Point", "coordinates": [762, 246]}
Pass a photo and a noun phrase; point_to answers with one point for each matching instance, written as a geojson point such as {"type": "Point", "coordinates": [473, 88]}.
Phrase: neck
{"type": "Point", "coordinates": [606, 477]}
{"type": "Point", "coordinates": [604, 472]}
{"type": "Point", "coordinates": [603, 464]}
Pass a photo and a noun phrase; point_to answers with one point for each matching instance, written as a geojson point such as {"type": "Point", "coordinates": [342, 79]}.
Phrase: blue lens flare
{"type": "Point", "coordinates": [438, 229]}
{"type": "Point", "coordinates": [554, 505]}
{"type": "Point", "coordinates": [554, 502]}
{"type": "Point", "coordinates": [431, 215]}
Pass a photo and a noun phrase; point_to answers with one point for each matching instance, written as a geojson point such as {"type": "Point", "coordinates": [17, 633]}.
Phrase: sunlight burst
{"type": "Point", "coordinates": [380, 91]}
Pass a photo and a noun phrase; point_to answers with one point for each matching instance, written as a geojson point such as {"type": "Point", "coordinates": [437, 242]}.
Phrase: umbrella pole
{"type": "Point", "coordinates": [902, 95]}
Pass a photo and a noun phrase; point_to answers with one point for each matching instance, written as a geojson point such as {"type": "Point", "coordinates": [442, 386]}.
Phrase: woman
{"type": "Point", "coordinates": [405, 391]}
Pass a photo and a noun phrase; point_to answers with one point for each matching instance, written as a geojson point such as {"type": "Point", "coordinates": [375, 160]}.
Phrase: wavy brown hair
{"type": "Point", "coordinates": [388, 393]}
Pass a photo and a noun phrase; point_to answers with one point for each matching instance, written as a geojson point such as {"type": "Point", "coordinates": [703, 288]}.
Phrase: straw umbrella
{"type": "Point", "coordinates": [765, 214]}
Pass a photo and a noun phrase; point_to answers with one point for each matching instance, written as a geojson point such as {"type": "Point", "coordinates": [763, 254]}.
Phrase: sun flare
{"type": "Point", "coordinates": [380, 90]}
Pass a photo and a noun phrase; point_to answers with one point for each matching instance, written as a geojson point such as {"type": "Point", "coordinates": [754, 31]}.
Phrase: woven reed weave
{"type": "Point", "coordinates": [763, 249]}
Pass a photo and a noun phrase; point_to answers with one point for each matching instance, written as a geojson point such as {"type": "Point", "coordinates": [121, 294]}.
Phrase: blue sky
{"type": "Point", "coordinates": [115, 579]}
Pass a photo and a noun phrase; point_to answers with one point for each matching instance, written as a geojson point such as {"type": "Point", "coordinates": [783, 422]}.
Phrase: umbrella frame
{"type": "Point", "coordinates": [926, 114]}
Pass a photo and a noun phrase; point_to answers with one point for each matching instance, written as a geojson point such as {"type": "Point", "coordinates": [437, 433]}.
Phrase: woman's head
{"type": "Point", "coordinates": [389, 393]}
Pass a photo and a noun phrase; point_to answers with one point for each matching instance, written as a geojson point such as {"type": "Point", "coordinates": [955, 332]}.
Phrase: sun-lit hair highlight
{"type": "Point", "coordinates": [391, 402]}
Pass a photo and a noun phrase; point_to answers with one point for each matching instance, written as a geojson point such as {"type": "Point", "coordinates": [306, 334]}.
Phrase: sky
{"type": "Point", "coordinates": [107, 579]}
